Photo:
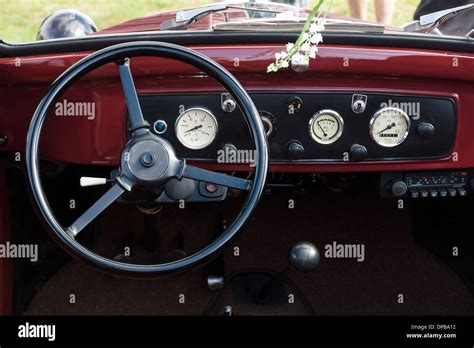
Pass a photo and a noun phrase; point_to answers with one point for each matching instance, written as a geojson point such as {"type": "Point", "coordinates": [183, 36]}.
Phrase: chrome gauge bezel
{"type": "Point", "coordinates": [378, 114]}
{"type": "Point", "coordinates": [339, 120]}
{"type": "Point", "coordinates": [181, 141]}
{"type": "Point", "coordinates": [269, 123]}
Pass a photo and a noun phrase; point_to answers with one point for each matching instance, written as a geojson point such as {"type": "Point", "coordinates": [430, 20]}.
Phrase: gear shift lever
{"type": "Point", "coordinates": [303, 256]}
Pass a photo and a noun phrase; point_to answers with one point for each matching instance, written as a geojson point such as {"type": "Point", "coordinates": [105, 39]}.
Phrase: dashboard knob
{"type": "Point", "coordinates": [304, 256]}
{"type": "Point", "coordinates": [3, 139]}
{"type": "Point", "coordinates": [358, 152]}
{"type": "Point", "coordinates": [359, 106]}
{"type": "Point", "coordinates": [426, 130]}
{"type": "Point", "coordinates": [295, 149]}
{"type": "Point", "coordinates": [228, 105]}
{"type": "Point", "coordinates": [399, 188]}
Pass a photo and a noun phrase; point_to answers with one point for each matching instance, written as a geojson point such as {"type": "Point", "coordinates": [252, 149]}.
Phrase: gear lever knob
{"type": "Point", "coordinates": [304, 256]}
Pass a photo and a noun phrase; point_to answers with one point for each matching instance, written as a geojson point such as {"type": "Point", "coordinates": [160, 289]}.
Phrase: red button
{"type": "Point", "coordinates": [211, 188]}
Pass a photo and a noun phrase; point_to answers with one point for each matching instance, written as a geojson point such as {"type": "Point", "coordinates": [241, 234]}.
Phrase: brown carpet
{"type": "Point", "coordinates": [393, 264]}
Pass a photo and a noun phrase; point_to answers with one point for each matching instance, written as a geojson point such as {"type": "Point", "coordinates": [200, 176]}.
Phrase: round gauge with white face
{"type": "Point", "coordinates": [196, 128]}
{"type": "Point", "coordinates": [389, 127]}
{"type": "Point", "coordinates": [326, 126]}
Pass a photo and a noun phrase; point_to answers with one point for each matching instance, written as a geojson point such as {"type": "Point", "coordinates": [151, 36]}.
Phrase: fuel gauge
{"type": "Point", "coordinates": [326, 127]}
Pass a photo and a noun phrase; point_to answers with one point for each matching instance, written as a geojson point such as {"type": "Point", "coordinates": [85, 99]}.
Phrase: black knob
{"type": "Point", "coordinates": [295, 150]}
{"type": "Point", "coordinates": [358, 152]}
{"type": "Point", "coordinates": [3, 139]}
{"type": "Point", "coordinates": [399, 188]}
{"type": "Point", "coordinates": [426, 130]}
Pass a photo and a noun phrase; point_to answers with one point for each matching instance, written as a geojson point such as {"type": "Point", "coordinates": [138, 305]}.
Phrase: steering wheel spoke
{"type": "Point", "coordinates": [98, 207]}
{"type": "Point", "coordinates": [200, 174]}
{"type": "Point", "coordinates": [136, 118]}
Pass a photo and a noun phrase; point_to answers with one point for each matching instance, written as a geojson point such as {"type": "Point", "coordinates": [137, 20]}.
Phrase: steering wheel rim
{"type": "Point", "coordinates": [114, 54]}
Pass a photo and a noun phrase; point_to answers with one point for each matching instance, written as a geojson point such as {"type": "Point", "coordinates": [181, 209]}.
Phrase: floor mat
{"type": "Point", "coordinates": [395, 277]}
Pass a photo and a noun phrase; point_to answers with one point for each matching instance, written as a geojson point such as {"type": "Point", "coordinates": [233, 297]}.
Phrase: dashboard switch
{"type": "Point", "coordinates": [228, 103]}
{"type": "Point", "coordinates": [399, 188]}
{"type": "Point", "coordinates": [452, 192]}
{"type": "Point", "coordinates": [426, 130]}
{"type": "Point", "coordinates": [359, 103]}
{"type": "Point", "coordinates": [295, 104]}
{"type": "Point", "coordinates": [433, 193]}
{"type": "Point", "coordinates": [295, 149]}
{"type": "Point", "coordinates": [3, 139]}
{"type": "Point", "coordinates": [443, 192]}
{"type": "Point", "coordinates": [424, 193]}
{"type": "Point", "coordinates": [461, 191]}
{"type": "Point", "coordinates": [211, 188]}
{"type": "Point", "coordinates": [358, 152]}
{"type": "Point", "coordinates": [414, 194]}
{"type": "Point", "coordinates": [160, 127]}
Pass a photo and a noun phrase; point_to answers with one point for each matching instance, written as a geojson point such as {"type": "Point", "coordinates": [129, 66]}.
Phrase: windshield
{"type": "Point", "coordinates": [25, 20]}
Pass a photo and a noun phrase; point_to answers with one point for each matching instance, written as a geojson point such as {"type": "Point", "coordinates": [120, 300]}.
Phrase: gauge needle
{"type": "Point", "coordinates": [324, 133]}
{"type": "Point", "coordinates": [386, 129]}
{"type": "Point", "coordinates": [193, 129]}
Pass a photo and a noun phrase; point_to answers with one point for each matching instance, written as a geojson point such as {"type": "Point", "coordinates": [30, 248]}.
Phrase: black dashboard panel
{"type": "Point", "coordinates": [291, 123]}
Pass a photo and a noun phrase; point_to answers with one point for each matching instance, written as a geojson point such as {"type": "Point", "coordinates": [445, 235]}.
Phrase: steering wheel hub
{"type": "Point", "coordinates": [148, 159]}
{"type": "Point", "coordinates": [147, 163]}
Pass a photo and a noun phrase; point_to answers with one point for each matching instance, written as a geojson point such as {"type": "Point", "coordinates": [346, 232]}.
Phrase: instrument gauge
{"type": "Point", "coordinates": [389, 127]}
{"type": "Point", "coordinates": [326, 127]}
{"type": "Point", "coordinates": [196, 128]}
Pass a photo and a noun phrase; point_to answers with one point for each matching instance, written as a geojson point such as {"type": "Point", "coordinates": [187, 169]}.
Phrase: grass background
{"type": "Point", "coordinates": [20, 19]}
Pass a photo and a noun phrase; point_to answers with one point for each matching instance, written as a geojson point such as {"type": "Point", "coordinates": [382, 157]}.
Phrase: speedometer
{"type": "Point", "coordinates": [196, 128]}
{"type": "Point", "coordinates": [389, 127]}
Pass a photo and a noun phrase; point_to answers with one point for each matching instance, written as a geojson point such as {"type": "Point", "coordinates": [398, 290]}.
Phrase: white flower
{"type": "Point", "coordinates": [312, 52]}
{"type": "Point", "coordinates": [316, 27]}
{"type": "Point", "coordinates": [272, 68]}
{"type": "Point", "coordinates": [305, 47]}
{"type": "Point", "coordinates": [299, 59]}
{"type": "Point", "coordinates": [280, 55]}
{"type": "Point", "coordinates": [316, 38]}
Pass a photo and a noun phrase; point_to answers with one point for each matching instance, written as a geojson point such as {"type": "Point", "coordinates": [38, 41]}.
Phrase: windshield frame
{"type": "Point", "coordinates": [209, 37]}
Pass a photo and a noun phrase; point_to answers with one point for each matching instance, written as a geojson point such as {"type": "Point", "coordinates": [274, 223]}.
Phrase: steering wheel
{"type": "Point", "coordinates": [147, 161]}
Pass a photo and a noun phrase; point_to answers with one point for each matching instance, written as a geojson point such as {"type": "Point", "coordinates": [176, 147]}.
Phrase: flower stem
{"type": "Point", "coordinates": [310, 18]}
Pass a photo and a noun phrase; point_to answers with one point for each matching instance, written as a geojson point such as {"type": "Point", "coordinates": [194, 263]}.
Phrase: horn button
{"type": "Point", "coordinates": [147, 162]}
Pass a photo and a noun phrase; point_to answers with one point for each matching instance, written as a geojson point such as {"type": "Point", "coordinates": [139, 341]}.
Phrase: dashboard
{"type": "Point", "coordinates": [302, 126]}
{"type": "Point", "coordinates": [386, 110]}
